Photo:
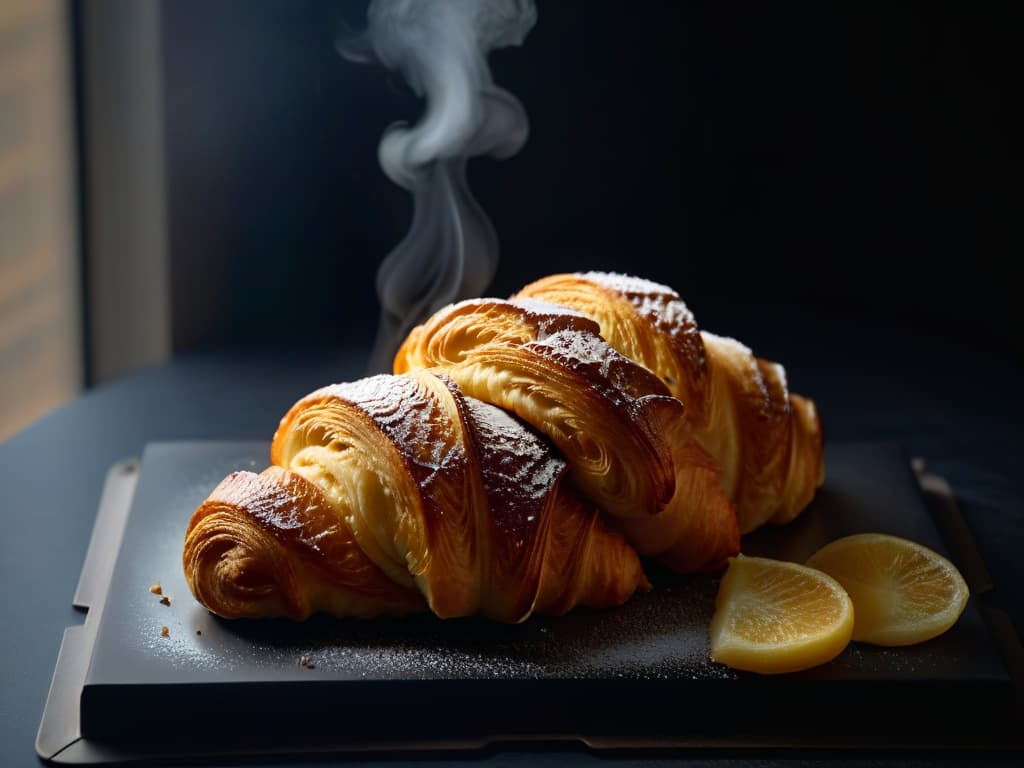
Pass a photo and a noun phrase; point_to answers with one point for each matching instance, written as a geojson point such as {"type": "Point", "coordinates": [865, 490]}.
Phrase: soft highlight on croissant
{"type": "Point", "coordinates": [607, 415]}
{"type": "Point", "coordinates": [617, 424]}
{"type": "Point", "coordinates": [397, 494]}
{"type": "Point", "coordinates": [766, 441]}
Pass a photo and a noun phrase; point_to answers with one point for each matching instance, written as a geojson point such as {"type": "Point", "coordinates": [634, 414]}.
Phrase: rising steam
{"type": "Point", "coordinates": [441, 47]}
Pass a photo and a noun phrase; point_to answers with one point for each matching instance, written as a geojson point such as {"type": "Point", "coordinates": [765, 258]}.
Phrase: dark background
{"type": "Point", "coordinates": [840, 171]}
{"type": "Point", "coordinates": [836, 184]}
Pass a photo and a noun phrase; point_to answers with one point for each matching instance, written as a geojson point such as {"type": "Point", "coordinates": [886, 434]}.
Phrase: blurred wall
{"type": "Point", "coordinates": [122, 144]}
{"type": "Point", "coordinates": [837, 165]}
{"type": "Point", "coordinates": [40, 300]}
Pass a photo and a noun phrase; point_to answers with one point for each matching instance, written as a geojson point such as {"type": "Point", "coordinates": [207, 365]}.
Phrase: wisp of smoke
{"type": "Point", "coordinates": [441, 47]}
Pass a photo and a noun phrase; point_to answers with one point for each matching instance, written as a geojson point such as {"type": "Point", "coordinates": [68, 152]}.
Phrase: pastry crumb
{"type": "Point", "coordinates": [165, 632]}
{"type": "Point", "coordinates": [165, 600]}
{"type": "Point", "coordinates": [156, 589]}
{"type": "Point", "coordinates": [304, 661]}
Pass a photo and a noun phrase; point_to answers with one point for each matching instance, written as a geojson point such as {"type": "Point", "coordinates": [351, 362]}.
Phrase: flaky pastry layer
{"type": "Point", "coordinates": [609, 417]}
{"type": "Point", "coordinates": [768, 443]}
{"type": "Point", "coordinates": [396, 494]}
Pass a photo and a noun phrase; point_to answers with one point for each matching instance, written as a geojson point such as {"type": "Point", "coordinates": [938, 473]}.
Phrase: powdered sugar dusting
{"type": "Point", "coordinates": [410, 417]}
{"type": "Point", "coordinates": [581, 348]}
{"type": "Point", "coordinates": [541, 308]}
{"type": "Point", "coordinates": [574, 341]}
{"type": "Point", "coordinates": [626, 284]}
{"type": "Point", "coordinates": [664, 310]}
{"type": "Point", "coordinates": [619, 377]}
{"type": "Point", "coordinates": [544, 317]}
{"type": "Point", "coordinates": [265, 501]}
{"type": "Point", "coordinates": [519, 468]}
{"type": "Point", "coordinates": [658, 303]}
{"type": "Point", "coordinates": [535, 308]}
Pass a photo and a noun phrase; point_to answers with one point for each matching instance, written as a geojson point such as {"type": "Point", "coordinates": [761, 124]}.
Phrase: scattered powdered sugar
{"type": "Point", "coordinates": [519, 468]}
{"type": "Point", "coordinates": [408, 414]}
{"type": "Point", "coordinates": [659, 635]}
{"type": "Point", "coordinates": [265, 498]}
{"type": "Point", "coordinates": [547, 318]}
{"type": "Point", "coordinates": [658, 304]}
{"type": "Point", "coordinates": [553, 318]}
{"type": "Point", "coordinates": [541, 308]}
{"type": "Point", "coordinates": [513, 442]}
{"type": "Point", "coordinates": [668, 313]}
{"type": "Point", "coordinates": [574, 341]}
{"type": "Point", "coordinates": [388, 400]}
{"type": "Point", "coordinates": [618, 376]}
{"type": "Point", "coordinates": [626, 284]}
{"type": "Point", "coordinates": [585, 348]}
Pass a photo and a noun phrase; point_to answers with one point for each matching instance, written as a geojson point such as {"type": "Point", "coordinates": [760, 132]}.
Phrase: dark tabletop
{"type": "Point", "coordinates": [954, 403]}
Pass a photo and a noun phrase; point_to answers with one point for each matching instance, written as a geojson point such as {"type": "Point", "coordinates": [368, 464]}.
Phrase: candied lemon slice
{"type": "Point", "coordinates": [902, 592]}
{"type": "Point", "coordinates": [772, 616]}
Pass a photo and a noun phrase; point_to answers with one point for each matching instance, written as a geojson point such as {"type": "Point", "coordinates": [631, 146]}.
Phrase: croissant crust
{"type": "Point", "coordinates": [396, 494]}
{"type": "Point", "coordinates": [523, 458]}
{"type": "Point", "coordinates": [609, 417]}
{"type": "Point", "coordinates": [768, 443]}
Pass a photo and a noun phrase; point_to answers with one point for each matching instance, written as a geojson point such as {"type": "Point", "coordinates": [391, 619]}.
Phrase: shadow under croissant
{"type": "Point", "coordinates": [661, 632]}
{"type": "Point", "coordinates": [799, 539]}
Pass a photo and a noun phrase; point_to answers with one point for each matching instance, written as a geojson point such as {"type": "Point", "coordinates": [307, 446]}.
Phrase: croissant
{"type": "Point", "coordinates": [398, 494]}
{"type": "Point", "coordinates": [766, 441]}
{"type": "Point", "coordinates": [617, 424]}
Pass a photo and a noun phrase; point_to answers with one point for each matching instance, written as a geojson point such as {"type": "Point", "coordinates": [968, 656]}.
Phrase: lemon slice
{"type": "Point", "coordinates": [773, 616]}
{"type": "Point", "coordinates": [902, 592]}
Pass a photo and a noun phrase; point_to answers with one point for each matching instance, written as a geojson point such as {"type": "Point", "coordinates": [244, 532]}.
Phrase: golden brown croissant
{"type": "Point", "coordinates": [618, 426]}
{"type": "Point", "coordinates": [767, 442]}
{"type": "Point", "coordinates": [393, 494]}
{"type": "Point", "coordinates": [551, 368]}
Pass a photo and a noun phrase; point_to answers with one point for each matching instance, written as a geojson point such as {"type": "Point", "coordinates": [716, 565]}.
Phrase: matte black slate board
{"type": "Point", "coordinates": [637, 673]}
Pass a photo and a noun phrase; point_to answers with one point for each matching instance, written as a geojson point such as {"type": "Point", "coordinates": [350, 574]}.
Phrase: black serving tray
{"type": "Point", "coordinates": [636, 676]}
